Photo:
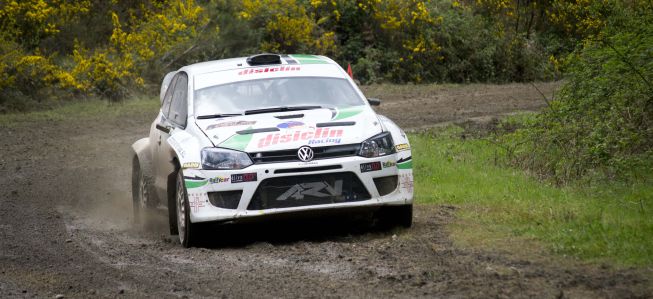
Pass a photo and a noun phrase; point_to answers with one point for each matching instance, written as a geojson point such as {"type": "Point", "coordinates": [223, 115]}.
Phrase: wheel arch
{"type": "Point", "coordinates": [141, 153]}
{"type": "Point", "coordinates": [141, 162]}
{"type": "Point", "coordinates": [172, 180]}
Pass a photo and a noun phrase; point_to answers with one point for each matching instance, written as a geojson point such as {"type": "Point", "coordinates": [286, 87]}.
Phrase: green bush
{"type": "Point", "coordinates": [602, 120]}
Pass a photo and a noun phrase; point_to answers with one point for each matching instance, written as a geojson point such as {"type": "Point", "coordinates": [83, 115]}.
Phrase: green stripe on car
{"type": "Point", "coordinates": [238, 142]}
{"type": "Point", "coordinates": [405, 165]}
{"type": "Point", "coordinates": [347, 112]}
{"type": "Point", "coordinates": [195, 184]}
{"type": "Point", "coordinates": [308, 59]}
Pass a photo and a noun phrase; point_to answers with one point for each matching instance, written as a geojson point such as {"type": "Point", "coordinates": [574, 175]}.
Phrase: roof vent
{"type": "Point", "coordinates": [263, 59]}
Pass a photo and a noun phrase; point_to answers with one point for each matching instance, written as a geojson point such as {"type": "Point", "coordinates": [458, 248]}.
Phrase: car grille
{"type": "Point", "coordinates": [324, 152]}
{"type": "Point", "coordinates": [307, 190]}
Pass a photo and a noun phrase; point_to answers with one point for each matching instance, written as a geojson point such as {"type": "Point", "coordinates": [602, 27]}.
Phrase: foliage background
{"type": "Point", "coordinates": [56, 49]}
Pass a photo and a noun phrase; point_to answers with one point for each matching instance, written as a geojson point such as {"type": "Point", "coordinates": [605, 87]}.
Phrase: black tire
{"type": "Point", "coordinates": [393, 216]}
{"type": "Point", "coordinates": [185, 227]}
{"type": "Point", "coordinates": [141, 196]}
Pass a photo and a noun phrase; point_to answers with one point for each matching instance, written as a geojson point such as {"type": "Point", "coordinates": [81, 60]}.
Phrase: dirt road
{"type": "Point", "coordinates": [65, 228]}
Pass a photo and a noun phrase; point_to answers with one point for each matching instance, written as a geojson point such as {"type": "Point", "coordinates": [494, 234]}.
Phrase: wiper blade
{"type": "Point", "coordinates": [217, 115]}
{"type": "Point", "coordinates": [280, 109]}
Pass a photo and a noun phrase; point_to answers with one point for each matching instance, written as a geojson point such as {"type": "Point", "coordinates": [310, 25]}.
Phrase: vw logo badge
{"type": "Point", "coordinates": [305, 153]}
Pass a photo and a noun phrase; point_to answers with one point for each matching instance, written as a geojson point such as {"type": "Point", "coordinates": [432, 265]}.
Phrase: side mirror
{"type": "Point", "coordinates": [165, 84]}
{"type": "Point", "coordinates": [374, 101]}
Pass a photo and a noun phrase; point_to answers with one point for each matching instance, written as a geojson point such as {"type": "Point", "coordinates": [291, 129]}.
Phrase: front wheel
{"type": "Point", "coordinates": [186, 233]}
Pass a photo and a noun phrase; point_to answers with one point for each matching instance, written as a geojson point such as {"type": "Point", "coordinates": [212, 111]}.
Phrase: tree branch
{"type": "Point", "coordinates": [629, 64]}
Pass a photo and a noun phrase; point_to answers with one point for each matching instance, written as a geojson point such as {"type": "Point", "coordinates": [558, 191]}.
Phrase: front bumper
{"type": "Point", "coordinates": [251, 181]}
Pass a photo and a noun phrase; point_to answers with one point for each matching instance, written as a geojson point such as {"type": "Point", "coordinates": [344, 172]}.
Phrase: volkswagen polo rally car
{"type": "Point", "coordinates": [268, 134]}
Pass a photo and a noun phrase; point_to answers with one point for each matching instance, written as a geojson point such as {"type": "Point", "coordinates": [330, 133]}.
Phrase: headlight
{"type": "Point", "coordinates": [379, 145]}
{"type": "Point", "coordinates": [223, 159]}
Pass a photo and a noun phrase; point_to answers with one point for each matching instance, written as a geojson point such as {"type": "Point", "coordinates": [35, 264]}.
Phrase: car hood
{"type": "Point", "coordinates": [290, 130]}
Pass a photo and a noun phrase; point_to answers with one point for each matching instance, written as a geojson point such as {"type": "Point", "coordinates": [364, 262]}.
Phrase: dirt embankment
{"type": "Point", "coordinates": [65, 227]}
{"type": "Point", "coordinates": [415, 106]}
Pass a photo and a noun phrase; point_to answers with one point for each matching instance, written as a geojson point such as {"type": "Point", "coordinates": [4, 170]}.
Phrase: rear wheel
{"type": "Point", "coordinates": [392, 216]}
{"type": "Point", "coordinates": [185, 227]}
{"type": "Point", "coordinates": [141, 196]}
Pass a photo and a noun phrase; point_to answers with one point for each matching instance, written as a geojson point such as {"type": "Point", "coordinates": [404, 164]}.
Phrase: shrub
{"type": "Point", "coordinates": [602, 120]}
{"type": "Point", "coordinates": [139, 50]}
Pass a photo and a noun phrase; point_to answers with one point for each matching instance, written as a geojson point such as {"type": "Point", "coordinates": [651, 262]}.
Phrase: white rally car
{"type": "Point", "coordinates": [269, 134]}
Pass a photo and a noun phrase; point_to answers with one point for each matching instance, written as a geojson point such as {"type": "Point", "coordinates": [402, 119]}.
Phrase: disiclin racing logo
{"type": "Point", "coordinates": [269, 70]}
{"type": "Point", "coordinates": [313, 136]}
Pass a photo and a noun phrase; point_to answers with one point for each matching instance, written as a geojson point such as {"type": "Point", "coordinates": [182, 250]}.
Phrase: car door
{"type": "Point", "coordinates": [173, 118]}
{"type": "Point", "coordinates": [159, 124]}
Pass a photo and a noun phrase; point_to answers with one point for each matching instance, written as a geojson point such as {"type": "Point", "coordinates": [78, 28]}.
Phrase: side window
{"type": "Point", "coordinates": [168, 97]}
{"type": "Point", "coordinates": [179, 108]}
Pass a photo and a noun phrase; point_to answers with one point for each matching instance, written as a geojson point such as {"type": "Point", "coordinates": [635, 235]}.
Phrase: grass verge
{"type": "Point", "coordinates": [90, 109]}
{"type": "Point", "coordinates": [607, 222]}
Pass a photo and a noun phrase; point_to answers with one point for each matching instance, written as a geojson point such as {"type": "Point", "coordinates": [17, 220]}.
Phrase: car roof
{"type": "Point", "coordinates": [261, 66]}
{"type": "Point", "coordinates": [241, 63]}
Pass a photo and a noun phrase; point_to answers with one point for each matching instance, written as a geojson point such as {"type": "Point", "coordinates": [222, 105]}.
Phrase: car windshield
{"type": "Point", "coordinates": [238, 97]}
